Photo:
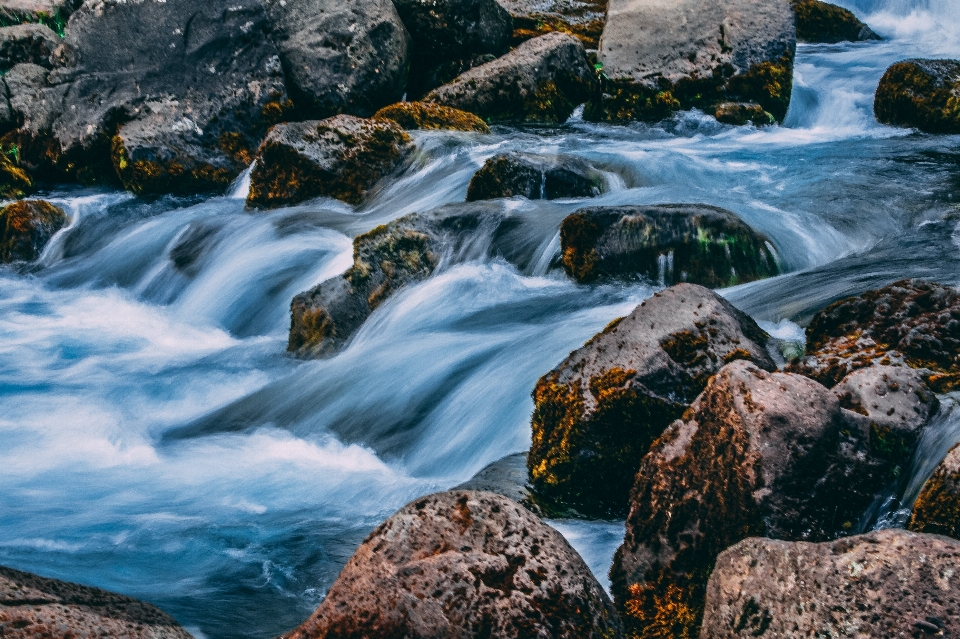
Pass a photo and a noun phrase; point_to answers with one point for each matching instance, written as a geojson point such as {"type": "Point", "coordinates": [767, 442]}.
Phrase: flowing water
{"type": "Point", "coordinates": [157, 441]}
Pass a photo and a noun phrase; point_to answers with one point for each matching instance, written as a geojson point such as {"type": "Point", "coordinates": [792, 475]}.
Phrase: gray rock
{"type": "Point", "coordinates": [32, 43]}
{"type": "Point", "coordinates": [507, 477]}
{"type": "Point", "coordinates": [535, 177]}
{"type": "Point", "coordinates": [937, 509]}
{"type": "Point", "coordinates": [581, 18]}
{"type": "Point", "coordinates": [889, 583]}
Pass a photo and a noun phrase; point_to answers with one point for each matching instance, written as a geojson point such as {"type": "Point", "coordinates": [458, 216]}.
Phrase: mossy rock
{"type": "Point", "coordinates": [14, 181]}
{"type": "Point", "coordinates": [937, 510]}
{"type": "Point", "coordinates": [827, 23]}
{"type": "Point", "coordinates": [924, 94]}
{"type": "Point", "coordinates": [534, 177]}
{"type": "Point", "coordinates": [740, 113]}
{"type": "Point", "coordinates": [26, 227]}
{"type": "Point", "coordinates": [583, 19]}
{"type": "Point", "coordinates": [424, 115]}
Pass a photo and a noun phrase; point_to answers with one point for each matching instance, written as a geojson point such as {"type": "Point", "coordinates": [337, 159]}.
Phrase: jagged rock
{"type": "Point", "coordinates": [31, 43]}
{"type": "Point", "coordinates": [468, 565]}
{"type": "Point", "coordinates": [757, 454]}
{"type": "Point", "coordinates": [342, 157]}
{"type": "Point", "coordinates": [740, 113]}
{"type": "Point", "coordinates": [542, 80]}
{"type": "Point", "coordinates": [583, 19]}
{"type": "Point", "coordinates": [26, 227]}
{"type": "Point", "coordinates": [660, 57]}
{"type": "Point", "coordinates": [596, 414]}
{"type": "Point", "coordinates": [920, 94]}
{"type": "Point", "coordinates": [889, 583]}
{"type": "Point", "coordinates": [507, 477]}
{"type": "Point", "coordinates": [937, 510]}
{"type": "Point", "coordinates": [910, 322]}
{"type": "Point", "coordinates": [535, 177]}
{"type": "Point", "coordinates": [667, 242]}
{"type": "Point", "coordinates": [423, 115]}
{"type": "Point", "coordinates": [823, 22]}
{"type": "Point", "coordinates": [33, 606]}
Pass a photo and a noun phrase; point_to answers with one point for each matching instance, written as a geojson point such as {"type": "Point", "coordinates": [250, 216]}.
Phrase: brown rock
{"type": "Point", "coordinates": [937, 510]}
{"type": "Point", "coordinates": [424, 115]}
{"type": "Point", "coordinates": [26, 227]}
{"type": "Point", "coordinates": [824, 22]}
{"type": "Point", "coordinates": [740, 113]}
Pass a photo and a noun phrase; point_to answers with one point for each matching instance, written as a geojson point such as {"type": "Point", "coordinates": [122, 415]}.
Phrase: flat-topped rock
{"type": "Point", "coordinates": [428, 116]}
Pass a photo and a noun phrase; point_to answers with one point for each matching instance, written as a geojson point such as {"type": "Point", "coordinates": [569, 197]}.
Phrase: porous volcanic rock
{"type": "Point", "coordinates": [424, 115]}
{"type": "Point", "coordinates": [596, 414]}
{"type": "Point", "coordinates": [824, 22]}
{"type": "Point", "coordinates": [921, 94]}
{"type": "Point", "coordinates": [660, 57]}
{"type": "Point", "coordinates": [740, 113]}
{"type": "Point", "coordinates": [889, 583]}
{"type": "Point", "coordinates": [583, 19]}
{"type": "Point", "coordinates": [937, 510]}
{"type": "Point", "coordinates": [342, 157]}
{"type": "Point", "coordinates": [464, 565]}
{"type": "Point", "coordinates": [26, 227]}
{"type": "Point", "coordinates": [33, 606]}
{"type": "Point", "coordinates": [535, 177]}
{"type": "Point", "coordinates": [542, 80]}
{"type": "Point", "coordinates": [671, 243]}
{"type": "Point", "coordinates": [32, 43]}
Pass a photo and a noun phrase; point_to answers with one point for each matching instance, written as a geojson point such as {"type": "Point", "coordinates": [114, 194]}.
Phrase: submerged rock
{"type": "Point", "coordinates": [535, 177]}
{"type": "Point", "coordinates": [671, 243]}
{"type": "Point", "coordinates": [921, 94]}
{"type": "Point", "coordinates": [740, 113]}
{"type": "Point", "coordinates": [889, 583]}
{"type": "Point", "coordinates": [342, 157]}
{"type": "Point", "coordinates": [33, 606]}
{"type": "Point", "coordinates": [542, 80]}
{"type": "Point", "coordinates": [937, 510]}
{"type": "Point", "coordinates": [596, 414]}
{"type": "Point", "coordinates": [583, 19]}
{"type": "Point", "coordinates": [464, 564]}
{"type": "Point", "coordinates": [30, 43]}
{"type": "Point", "coordinates": [824, 22]}
{"type": "Point", "coordinates": [424, 115]}
{"type": "Point", "coordinates": [26, 227]}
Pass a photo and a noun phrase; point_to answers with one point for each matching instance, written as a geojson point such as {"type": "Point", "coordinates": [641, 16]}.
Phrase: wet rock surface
{"type": "Point", "coordinates": [26, 227]}
{"type": "Point", "coordinates": [921, 94]}
{"type": "Point", "coordinates": [937, 510]}
{"type": "Point", "coordinates": [27, 43]}
{"type": "Point", "coordinates": [464, 564]}
{"type": "Point", "coordinates": [507, 477]}
{"type": "Point", "coordinates": [889, 583]}
{"type": "Point", "coordinates": [827, 23]}
{"type": "Point", "coordinates": [534, 177]}
{"type": "Point", "coordinates": [740, 113]}
{"type": "Point", "coordinates": [583, 19]}
{"type": "Point", "coordinates": [424, 115]}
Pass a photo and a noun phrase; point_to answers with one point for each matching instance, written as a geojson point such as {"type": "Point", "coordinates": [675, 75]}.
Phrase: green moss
{"type": "Point", "coordinates": [625, 100]}
{"type": "Point", "coordinates": [150, 177]}
{"type": "Point", "coordinates": [769, 84]}
{"type": "Point", "coordinates": [425, 115]}
{"type": "Point", "coordinates": [15, 183]}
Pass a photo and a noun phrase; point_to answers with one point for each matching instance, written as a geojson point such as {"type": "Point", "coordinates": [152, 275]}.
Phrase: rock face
{"type": "Point", "coordinates": [31, 43]}
{"type": "Point", "coordinates": [667, 242]}
{"type": "Point", "coordinates": [661, 57]}
{"type": "Point", "coordinates": [937, 510]}
{"type": "Point", "coordinates": [823, 22]}
{"type": "Point", "coordinates": [542, 80]}
{"type": "Point", "coordinates": [921, 94]}
{"type": "Point", "coordinates": [464, 564]}
{"type": "Point", "coordinates": [535, 177]}
{"type": "Point", "coordinates": [889, 583]}
{"type": "Point", "coordinates": [32, 606]}
{"type": "Point", "coordinates": [341, 157]}
{"type": "Point", "coordinates": [583, 19]}
{"type": "Point", "coordinates": [423, 115]}
{"type": "Point", "coordinates": [26, 227]}
{"type": "Point", "coordinates": [596, 414]}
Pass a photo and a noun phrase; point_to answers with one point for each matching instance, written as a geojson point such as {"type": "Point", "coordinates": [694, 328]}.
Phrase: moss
{"type": "Point", "coordinates": [578, 237]}
{"type": "Point", "coordinates": [740, 113]}
{"type": "Point", "coordinates": [14, 181]}
{"type": "Point", "coordinates": [823, 22]}
{"type": "Point", "coordinates": [625, 100]}
{"type": "Point", "coordinates": [769, 84]}
{"type": "Point", "coordinates": [237, 147]}
{"type": "Point", "coordinates": [548, 104]}
{"type": "Point", "coordinates": [26, 227]}
{"type": "Point", "coordinates": [150, 177]}
{"type": "Point", "coordinates": [56, 21]}
{"type": "Point", "coordinates": [687, 347]}
{"type": "Point", "coordinates": [277, 111]}
{"type": "Point", "coordinates": [309, 328]}
{"type": "Point", "coordinates": [425, 115]}
{"type": "Point", "coordinates": [937, 510]}
{"type": "Point", "coordinates": [921, 94]}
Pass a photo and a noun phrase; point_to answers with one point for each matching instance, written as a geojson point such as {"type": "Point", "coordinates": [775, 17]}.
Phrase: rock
{"type": "Point", "coordinates": [507, 477]}
{"type": "Point", "coordinates": [14, 181]}
{"type": "Point", "coordinates": [669, 243]}
{"type": "Point", "coordinates": [342, 157]}
{"type": "Point", "coordinates": [26, 227]}
{"type": "Point", "coordinates": [535, 177]}
{"type": "Point", "coordinates": [423, 115]}
{"type": "Point", "coordinates": [660, 57]}
{"type": "Point", "coordinates": [341, 57]}
{"type": "Point", "coordinates": [596, 414]}
{"type": "Point", "coordinates": [740, 113]}
{"type": "Point", "coordinates": [937, 510]}
{"type": "Point", "coordinates": [50, 13]}
{"type": "Point", "coordinates": [542, 80]}
{"type": "Point", "coordinates": [33, 606]}
{"type": "Point", "coordinates": [31, 43]}
{"type": "Point", "coordinates": [757, 454]}
{"type": "Point", "coordinates": [823, 22]}
{"type": "Point", "coordinates": [583, 19]}
{"type": "Point", "coordinates": [464, 564]}
{"type": "Point", "coordinates": [909, 322]}
{"type": "Point", "coordinates": [889, 583]}
{"type": "Point", "coordinates": [920, 94]}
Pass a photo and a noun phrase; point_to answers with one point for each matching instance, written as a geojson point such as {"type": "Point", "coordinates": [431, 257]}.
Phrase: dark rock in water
{"type": "Point", "coordinates": [342, 157]}
{"type": "Point", "coordinates": [341, 57]}
{"type": "Point", "coordinates": [671, 243]}
{"type": "Point", "coordinates": [823, 22]}
{"type": "Point", "coordinates": [659, 57]}
{"type": "Point", "coordinates": [921, 94]}
{"type": "Point", "coordinates": [507, 477]}
{"type": "Point", "coordinates": [33, 607]}
{"type": "Point", "coordinates": [26, 227]}
{"type": "Point", "coordinates": [31, 43]}
{"type": "Point", "coordinates": [542, 80]}
{"type": "Point", "coordinates": [464, 564]}
{"type": "Point", "coordinates": [535, 177]}
{"type": "Point", "coordinates": [596, 414]}
{"type": "Point", "coordinates": [889, 583]}
{"type": "Point", "coordinates": [424, 115]}
{"type": "Point", "coordinates": [937, 510]}
{"type": "Point", "coordinates": [740, 113]}
{"type": "Point", "coordinates": [193, 244]}
{"type": "Point", "coordinates": [24, 85]}
{"type": "Point", "coordinates": [583, 19]}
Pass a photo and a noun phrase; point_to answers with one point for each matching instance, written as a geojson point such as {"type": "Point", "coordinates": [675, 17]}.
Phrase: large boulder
{"type": "Point", "coordinates": [937, 509]}
{"type": "Point", "coordinates": [921, 94]}
{"type": "Point", "coordinates": [596, 414]}
{"type": "Point", "coordinates": [542, 80]}
{"type": "Point", "coordinates": [33, 606]}
{"type": "Point", "coordinates": [26, 227]}
{"type": "Point", "coordinates": [424, 115]}
{"type": "Point", "coordinates": [31, 43]}
{"type": "Point", "coordinates": [342, 157]}
{"type": "Point", "coordinates": [583, 19]}
{"type": "Point", "coordinates": [889, 583]}
{"type": "Point", "coordinates": [659, 57]}
{"type": "Point", "coordinates": [466, 565]}
{"type": "Point", "coordinates": [824, 22]}
{"type": "Point", "coordinates": [535, 177]}
{"type": "Point", "coordinates": [671, 243]}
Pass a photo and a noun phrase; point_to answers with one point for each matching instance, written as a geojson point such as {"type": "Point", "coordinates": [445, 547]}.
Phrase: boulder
{"type": "Point", "coordinates": [423, 115]}
{"type": "Point", "coordinates": [33, 606]}
{"type": "Point", "coordinates": [467, 565]}
{"type": "Point", "coordinates": [14, 181]}
{"type": "Point", "coordinates": [535, 177]}
{"type": "Point", "coordinates": [32, 43]}
{"type": "Point", "coordinates": [596, 414]}
{"type": "Point", "coordinates": [757, 454]}
{"type": "Point", "coordinates": [660, 57]}
{"type": "Point", "coordinates": [342, 157]}
{"type": "Point", "coordinates": [920, 94]}
{"type": "Point", "coordinates": [341, 56]}
{"type": "Point", "coordinates": [26, 227]}
{"type": "Point", "coordinates": [542, 80]}
{"type": "Point", "coordinates": [937, 510]}
{"type": "Point", "coordinates": [827, 23]}
{"type": "Point", "coordinates": [889, 583]}
{"type": "Point", "coordinates": [669, 243]}
{"type": "Point", "coordinates": [740, 113]}
{"type": "Point", "coordinates": [583, 19]}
